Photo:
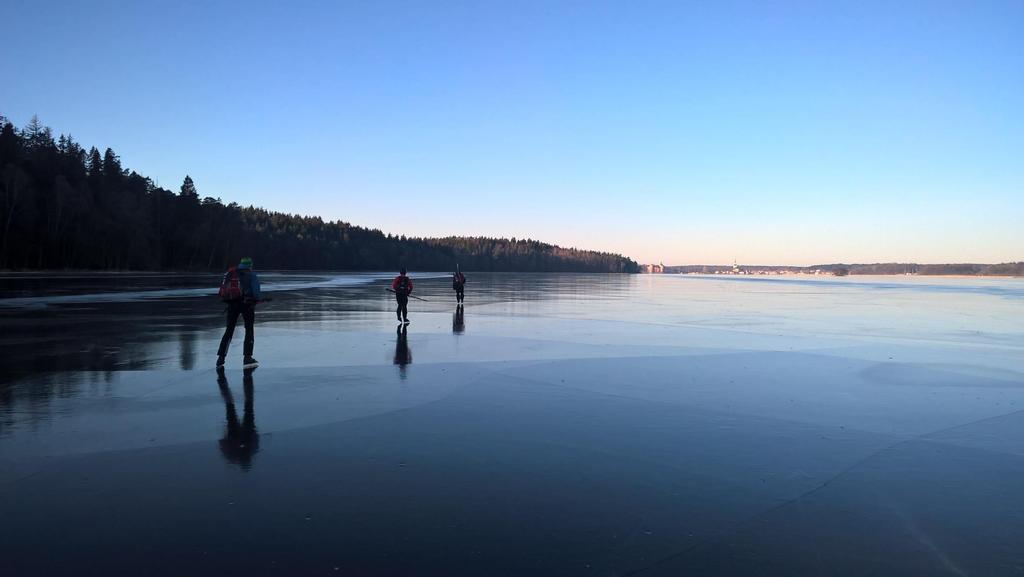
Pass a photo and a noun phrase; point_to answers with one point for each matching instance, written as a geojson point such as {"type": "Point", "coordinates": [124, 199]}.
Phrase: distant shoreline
{"type": "Point", "coordinates": [801, 274]}
{"type": "Point", "coordinates": [1008, 269]}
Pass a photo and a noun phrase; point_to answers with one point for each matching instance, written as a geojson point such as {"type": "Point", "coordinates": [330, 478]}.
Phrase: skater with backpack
{"type": "Point", "coordinates": [459, 285]}
{"type": "Point", "coordinates": [402, 287]}
{"type": "Point", "coordinates": [240, 290]}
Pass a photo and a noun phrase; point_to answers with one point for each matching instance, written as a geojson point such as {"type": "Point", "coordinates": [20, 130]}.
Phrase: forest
{"type": "Point", "coordinates": [63, 207]}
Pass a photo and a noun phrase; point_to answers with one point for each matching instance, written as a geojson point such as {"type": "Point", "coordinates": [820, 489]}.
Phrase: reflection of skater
{"type": "Point", "coordinates": [403, 356]}
{"type": "Point", "coordinates": [459, 285]}
{"type": "Point", "coordinates": [458, 321]}
{"type": "Point", "coordinates": [240, 289]}
{"type": "Point", "coordinates": [241, 440]}
{"type": "Point", "coordinates": [402, 286]}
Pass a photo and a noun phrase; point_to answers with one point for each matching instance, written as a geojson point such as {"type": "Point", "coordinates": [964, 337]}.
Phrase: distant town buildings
{"type": "Point", "coordinates": [840, 270]}
{"type": "Point", "coordinates": [738, 269]}
{"type": "Point", "coordinates": [652, 268]}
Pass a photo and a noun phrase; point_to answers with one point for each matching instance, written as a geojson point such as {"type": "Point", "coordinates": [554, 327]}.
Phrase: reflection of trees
{"type": "Point", "coordinates": [6, 416]}
{"type": "Point", "coordinates": [65, 351]}
{"type": "Point", "coordinates": [241, 439]}
{"type": "Point", "coordinates": [30, 401]}
{"type": "Point", "coordinates": [62, 350]}
{"type": "Point", "coordinates": [187, 342]}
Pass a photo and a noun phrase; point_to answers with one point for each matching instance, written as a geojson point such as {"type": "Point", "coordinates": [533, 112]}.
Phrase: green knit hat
{"type": "Point", "coordinates": [246, 261]}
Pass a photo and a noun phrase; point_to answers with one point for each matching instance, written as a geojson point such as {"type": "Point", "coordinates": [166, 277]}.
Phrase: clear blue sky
{"type": "Point", "coordinates": [768, 132]}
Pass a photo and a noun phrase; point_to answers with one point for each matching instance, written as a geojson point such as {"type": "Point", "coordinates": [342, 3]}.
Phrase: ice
{"type": "Point", "coordinates": [271, 283]}
{"type": "Point", "coordinates": [562, 425]}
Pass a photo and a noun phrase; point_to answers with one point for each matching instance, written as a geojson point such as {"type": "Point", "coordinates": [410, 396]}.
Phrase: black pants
{"type": "Point", "coordinates": [248, 312]}
{"type": "Point", "coordinates": [460, 293]}
{"type": "Point", "coordinates": [403, 307]}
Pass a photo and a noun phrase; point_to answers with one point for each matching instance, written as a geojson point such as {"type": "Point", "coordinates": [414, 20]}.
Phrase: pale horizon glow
{"type": "Point", "coordinates": [790, 134]}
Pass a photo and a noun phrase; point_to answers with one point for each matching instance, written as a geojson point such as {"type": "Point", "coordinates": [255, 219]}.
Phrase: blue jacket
{"type": "Point", "coordinates": [249, 282]}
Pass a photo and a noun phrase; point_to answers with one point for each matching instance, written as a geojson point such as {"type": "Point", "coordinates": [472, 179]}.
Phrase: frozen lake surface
{"type": "Point", "coordinates": [561, 425]}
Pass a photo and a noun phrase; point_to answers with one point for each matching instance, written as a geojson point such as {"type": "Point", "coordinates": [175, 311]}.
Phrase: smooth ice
{"type": "Point", "coordinates": [561, 425]}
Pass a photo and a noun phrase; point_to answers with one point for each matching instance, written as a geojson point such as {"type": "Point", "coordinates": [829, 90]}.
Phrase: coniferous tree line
{"type": "Point", "coordinates": [65, 207]}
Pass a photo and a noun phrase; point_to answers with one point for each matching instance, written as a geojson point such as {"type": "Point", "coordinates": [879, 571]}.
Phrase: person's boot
{"type": "Point", "coordinates": [220, 362]}
{"type": "Point", "coordinates": [250, 363]}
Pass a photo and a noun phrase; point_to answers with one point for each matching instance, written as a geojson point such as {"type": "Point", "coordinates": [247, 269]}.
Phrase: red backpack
{"type": "Point", "coordinates": [230, 287]}
{"type": "Point", "coordinates": [403, 286]}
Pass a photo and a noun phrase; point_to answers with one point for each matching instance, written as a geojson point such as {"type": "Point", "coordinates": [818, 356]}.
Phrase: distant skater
{"type": "Point", "coordinates": [459, 285]}
{"type": "Point", "coordinates": [240, 289]}
{"type": "Point", "coordinates": [402, 286]}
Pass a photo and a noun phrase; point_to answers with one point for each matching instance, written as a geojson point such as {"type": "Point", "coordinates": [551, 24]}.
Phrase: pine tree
{"type": "Point", "coordinates": [188, 188]}
{"type": "Point", "coordinates": [95, 162]}
{"type": "Point", "coordinates": [35, 134]}
{"type": "Point", "coordinates": [10, 143]}
{"type": "Point", "coordinates": [111, 165]}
